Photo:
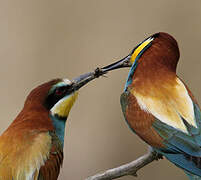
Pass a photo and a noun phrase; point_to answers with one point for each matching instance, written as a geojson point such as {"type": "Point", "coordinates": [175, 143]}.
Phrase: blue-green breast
{"type": "Point", "coordinates": [59, 125]}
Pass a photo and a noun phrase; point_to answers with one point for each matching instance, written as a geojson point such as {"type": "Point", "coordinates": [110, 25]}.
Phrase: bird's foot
{"type": "Point", "coordinates": [157, 155]}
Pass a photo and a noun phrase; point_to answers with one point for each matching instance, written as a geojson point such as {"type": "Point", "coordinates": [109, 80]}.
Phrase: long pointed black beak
{"type": "Point", "coordinates": [125, 62]}
{"type": "Point", "coordinates": [83, 79]}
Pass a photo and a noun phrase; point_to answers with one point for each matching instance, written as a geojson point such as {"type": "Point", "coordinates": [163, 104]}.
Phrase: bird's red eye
{"type": "Point", "coordinates": [60, 91]}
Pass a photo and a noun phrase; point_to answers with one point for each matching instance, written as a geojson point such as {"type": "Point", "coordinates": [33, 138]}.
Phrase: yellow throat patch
{"type": "Point", "coordinates": [139, 49]}
{"type": "Point", "coordinates": [63, 106]}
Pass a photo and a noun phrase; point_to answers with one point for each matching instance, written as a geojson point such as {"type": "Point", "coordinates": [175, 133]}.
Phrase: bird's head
{"type": "Point", "coordinates": [158, 52]}
{"type": "Point", "coordinates": [60, 98]}
{"type": "Point", "coordinates": [160, 48]}
{"type": "Point", "coordinates": [58, 95]}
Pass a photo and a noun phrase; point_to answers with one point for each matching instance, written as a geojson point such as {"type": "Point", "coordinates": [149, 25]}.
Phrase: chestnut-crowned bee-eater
{"type": "Point", "coordinates": [159, 107]}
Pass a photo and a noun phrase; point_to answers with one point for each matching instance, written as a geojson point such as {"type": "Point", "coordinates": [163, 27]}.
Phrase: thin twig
{"type": "Point", "coordinates": [127, 169]}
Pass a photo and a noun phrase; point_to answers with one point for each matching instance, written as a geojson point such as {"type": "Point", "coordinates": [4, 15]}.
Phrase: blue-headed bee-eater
{"type": "Point", "coordinates": [32, 146]}
{"type": "Point", "coordinates": [159, 107]}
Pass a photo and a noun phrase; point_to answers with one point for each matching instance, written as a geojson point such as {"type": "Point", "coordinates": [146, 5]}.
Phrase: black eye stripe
{"type": "Point", "coordinates": [61, 90]}
{"type": "Point", "coordinates": [56, 95]}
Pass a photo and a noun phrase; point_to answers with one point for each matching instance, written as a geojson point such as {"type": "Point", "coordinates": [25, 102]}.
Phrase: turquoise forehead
{"type": "Point", "coordinates": [59, 84]}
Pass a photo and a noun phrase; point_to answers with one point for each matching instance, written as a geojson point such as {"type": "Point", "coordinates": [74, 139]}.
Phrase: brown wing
{"type": "Point", "coordinates": [140, 121]}
{"type": "Point", "coordinates": [50, 170]}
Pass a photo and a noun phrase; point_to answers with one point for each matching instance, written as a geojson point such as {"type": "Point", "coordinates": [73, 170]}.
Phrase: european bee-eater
{"type": "Point", "coordinates": [32, 146]}
{"type": "Point", "coordinates": [159, 107]}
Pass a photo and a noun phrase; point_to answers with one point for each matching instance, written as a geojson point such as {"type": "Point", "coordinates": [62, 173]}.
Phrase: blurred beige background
{"type": "Point", "coordinates": [45, 39]}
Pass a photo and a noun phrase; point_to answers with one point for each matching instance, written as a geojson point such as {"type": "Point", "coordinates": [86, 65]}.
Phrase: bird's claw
{"type": "Point", "coordinates": [157, 155]}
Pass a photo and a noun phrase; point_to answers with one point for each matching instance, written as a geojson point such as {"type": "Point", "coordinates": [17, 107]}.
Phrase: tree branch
{"type": "Point", "coordinates": [127, 169]}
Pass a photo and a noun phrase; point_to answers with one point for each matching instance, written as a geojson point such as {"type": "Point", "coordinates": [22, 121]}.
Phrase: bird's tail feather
{"type": "Point", "coordinates": [192, 176]}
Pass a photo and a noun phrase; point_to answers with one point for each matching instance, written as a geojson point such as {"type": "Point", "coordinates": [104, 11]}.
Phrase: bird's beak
{"type": "Point", "coordinates": [125, 62]}
{"type": "Point", "coordinates": [129, 60]}
{"type": "Point", "coordinates": [83, 79]}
